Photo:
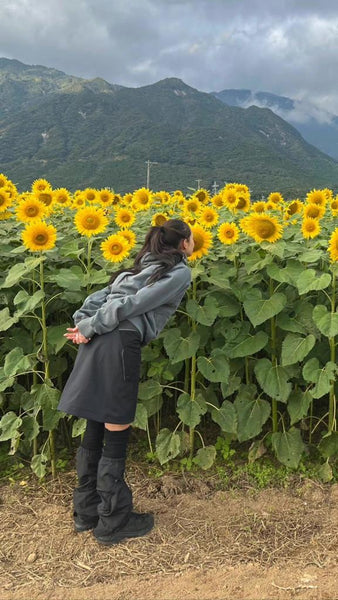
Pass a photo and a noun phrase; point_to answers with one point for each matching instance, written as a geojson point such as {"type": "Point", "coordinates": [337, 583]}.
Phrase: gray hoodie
{"type": "Point", "coordinates": [129, 297]}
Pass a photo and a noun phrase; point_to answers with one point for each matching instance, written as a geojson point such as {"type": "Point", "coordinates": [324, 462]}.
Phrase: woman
{"type": "Point", "coordinates": [111, 327]}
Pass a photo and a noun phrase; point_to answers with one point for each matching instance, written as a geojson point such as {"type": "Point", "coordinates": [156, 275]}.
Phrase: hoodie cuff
{"type": "Point", "coordinates": [84, 327]}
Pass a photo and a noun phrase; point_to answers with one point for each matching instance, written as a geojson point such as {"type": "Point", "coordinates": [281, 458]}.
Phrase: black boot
{"type": "Point", "coordinates": [116, 519]}
{"type": "Point", "coordinates": [85, 495]}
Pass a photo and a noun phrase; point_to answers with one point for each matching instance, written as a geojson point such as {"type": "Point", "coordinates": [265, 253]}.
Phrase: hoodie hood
{"type": "Point", "coordinates": [151, 259]}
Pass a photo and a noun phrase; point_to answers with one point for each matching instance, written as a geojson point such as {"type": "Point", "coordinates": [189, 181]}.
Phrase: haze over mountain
{"type": "Point", "coordinates": [79, 133]}
{"type": "Point", "coordinates": [317, 126]}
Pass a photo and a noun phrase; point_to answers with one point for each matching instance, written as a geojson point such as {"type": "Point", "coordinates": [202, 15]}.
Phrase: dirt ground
{"type": "Point", "coordinates": [208, 544]}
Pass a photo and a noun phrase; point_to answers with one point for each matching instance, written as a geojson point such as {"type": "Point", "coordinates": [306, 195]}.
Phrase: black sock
{"type": "Point", "coordinates": [93, 436]}
{"type": "Point", "coordinates": [115, 443]}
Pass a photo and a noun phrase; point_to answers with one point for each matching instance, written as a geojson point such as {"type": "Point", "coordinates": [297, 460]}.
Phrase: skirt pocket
{"type": "Point", "coordinates": [131, 355]}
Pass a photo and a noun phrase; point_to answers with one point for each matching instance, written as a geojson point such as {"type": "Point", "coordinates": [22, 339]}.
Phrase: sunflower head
{"type": "Point", "coordinates": [5, 200]}
{"type": "Point", "coordinates": [90, 221]}
{"type": "Point", "coordinates": [46, 197]}
{"type": "Point", "coordinates": [243, 202]}
{"type": "Point", "coordinates": [41, 185]}
{"type": "Point", "coordinates": [259, 207]}
{"type": "Point", "coordinates": [3, 180]}
{"type": "Point", "coordinates": [262, 228]}
{"type": "Point", "coordinates": [275, 198]}
{"type": "Point", "coordinates": [62, 196]}
{"type": "Point", "coordinates": [39, 237]}
{"type": "Point", "coordinates": [333, 246]}
{"type": "Point", "coordinates": [316, 197]}
{"type": "Point", "coordinates": [230, 197]}
{"type": "Point", "coordinates": [128, 235]}
{"type": "Point", "coordinates": [30, 210]}
{"type": "Point", "coordinates": [334, 206]}
{"type": "Point", "coordinates": [193, 205]}
{"type": "Point", "coordinates": [208, 217]}
{"type": "Point", "coordinates": [202, 195]}
{"type": "Point", "coordinates": [142, 198]}
{"type": "Point", "coordinates": [310, 228]}
{"type": "Point", "coordinates": [228, 233]}
{"type": "Point", "coordinates": [115, 248]}
{"type": "Point", "coordinates": [90, 195]}
{"type": "Point", "coordinates": [202, 242]}
{"type": "Point", "coordinates": [124, 217]}
{"type": "Point", "coordinates": [159, 219]}
{"type": "Point", "coordinates": [314, 211]}
{"type": "Point", "coordinates": [127, 198]}
{"type": "Point", "coordinates": [105, 197]}
{"type": "Point", "coordinates": [217, 201]}
{"type": "Point", "coordinates": [294, 207]}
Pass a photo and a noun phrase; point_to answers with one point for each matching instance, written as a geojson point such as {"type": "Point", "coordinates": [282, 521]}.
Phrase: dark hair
{"type": "Point", "coordinates": [163, 244]}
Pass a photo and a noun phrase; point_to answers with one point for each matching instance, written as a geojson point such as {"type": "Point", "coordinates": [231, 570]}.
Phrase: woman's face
{"type": "Point", "coordinates": [188, 245]}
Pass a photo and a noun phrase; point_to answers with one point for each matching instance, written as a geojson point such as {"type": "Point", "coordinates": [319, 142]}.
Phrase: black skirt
{"type": "Point", "coordinates": [103, 385]}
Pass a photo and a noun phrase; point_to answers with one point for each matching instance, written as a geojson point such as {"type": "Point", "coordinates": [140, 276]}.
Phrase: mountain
{"type": "Point", "coordinates": [79, 133]}
{"type": "Point", "coordinates": [317, 126]}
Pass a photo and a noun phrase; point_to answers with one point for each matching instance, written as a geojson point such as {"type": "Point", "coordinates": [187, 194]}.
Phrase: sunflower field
{"type": "Point", "coordinates": [249, 357]}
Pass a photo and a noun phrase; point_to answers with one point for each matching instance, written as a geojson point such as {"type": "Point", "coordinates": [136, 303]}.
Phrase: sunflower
{"type": "Point", "coordinates": [241, 188]}
{"type": "Point", "coordinates": [90, 194]}
{"type": "Point", "coordinates": [202, 242]}
{"type": "Point", "coordinates": [310, 228]}
{"type": "Point", "coordinates": [262, 228]}
{"type": "Point", "coordinates": [243, 202]}
{"type": "Point", "coordinates": [5, 200]}
{"type": "Point", "coordinates": [39, 236]}
{"type": "Point", "coordinates": [259, 207]}
{"type": "Point", "coordinates": [127, 198]}
{"type": "Point", "coordinates": [46, 197]}
{"type": "Point", "coordinates": [314, 211]}
{"type": "Point", "coordinates": [230, 198]}
{"type": "Point", "coordinates": [30, 210]}
{"type": "Point", "coordinates": [41, 185]}
{"type": "Point", "coordinates": [105, 197]}
{"type": "Point", "coordinates": [142, 199]}
{"type": "Point", "coordinates": [10, 189]}
{"type": "Point", "coordinates": [316, 197]}
{"type": "Point", "coordinates": [78, 201]}
{"type": "Point", "coordinates": [273, 206]}
{"type": "Point", "coordinates": [193, 205]}
{"type": "Point", "coordinates": [62, 196]}
{"type": "Point", "coordinates": [3, 180]}
{"type": "Point", "coordinates": [217, 201]}
{"type": "Point", "coordinates": [128, 235]}
{"type": "Point", "coordinates": [208, 217]}
{"type": "Point", "coordinates": [334, 207]}
{"type": "Point", "coordinates": [275, 197]}
{"type": "Point", "coordinates": [124, 217]}
{"type": "Point", "coordinates": [158, 219]}
{"type": "Point", "coordinates": [202, 195]}
{"type": "Point", "coordinates": [294, 207]}
{"type": "Point", "coordinates": [115, 248]}
{"type": "Point", "coordinates": [333, 246]}
{"type": "Point", "coordinates": [228, 233]}
{"type": "Point", "coordinates": [328, 194]}
{"type": "Point", "coordinates": [5, 215]}
{"type": "Point", "coordinates": [90, 221]}
{"type": "Point", "coordinates": [179, 201]}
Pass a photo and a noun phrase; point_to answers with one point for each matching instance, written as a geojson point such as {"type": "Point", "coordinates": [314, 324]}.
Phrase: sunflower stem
{"type": "Point", "coordinates": [332, 342]}
{"type": "Point", "coordinates": [274, 405]}
{"type": "Point", "coordinates": [89, 256]}
{"type": "Point", "coordinates": [193, 376]}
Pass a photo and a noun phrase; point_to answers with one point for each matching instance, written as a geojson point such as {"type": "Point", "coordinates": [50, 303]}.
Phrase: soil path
{"type": "Point", "coordinates": [207, 544]}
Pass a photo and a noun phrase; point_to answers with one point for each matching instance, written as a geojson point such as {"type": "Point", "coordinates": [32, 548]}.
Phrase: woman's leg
{"type": "Point", "coordinates": [85, 497]}
{"type": "Point", "coordinates": [116, 519]}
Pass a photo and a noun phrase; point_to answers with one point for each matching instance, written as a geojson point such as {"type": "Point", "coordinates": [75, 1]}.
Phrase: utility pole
{"type": "Point", "coordinates": [198, 183]}
{"type": "Point", "coordinates": [214, 188]}
{"type": "Point", "coordinates": [149, 163]}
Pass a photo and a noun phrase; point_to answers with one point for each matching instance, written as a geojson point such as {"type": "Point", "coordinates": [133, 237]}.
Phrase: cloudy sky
{"type": "Point", "coordinates": [288, 48]}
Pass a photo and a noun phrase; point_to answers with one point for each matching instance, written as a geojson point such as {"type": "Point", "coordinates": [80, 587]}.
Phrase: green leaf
{"type": "Point", "coordinates": [190, 411]}
{"type": "Point", "coordinates": [27, 303]}
{"type": "Point", "coordinates": [256, 450]}
{"type": "Point", "coordinates": [322, 377]}
{"type": "Point", "coordinates": [309, 280]}
{"type": "Point", "coordinates": [141, 417]}
{"type": "Point", "coordinates": [38, 465]}
{"type": "Point", "coordinates": [47, 397]}
{"type": "Point", "coordinates": [232, 386]}
{"type": "Point", "coordinates": [6, 321]}
{"type": "Point", "coordinates": [252, 413]}
{"type": "Point", "coordinates": [227, 306]}
{"type": "Point", "coordinates": [79, 427]}
{"type": "Point", "coordinates": [70, 279]}
{"type": "Point", "coordinates": [5, 382]}
{"type": "Point", "coordinates": [167, 445]}
{"type": "Point", "coordinates": [15, 362]}
{"type": "Point", "coordinates": [225, 417]}
{"type": "Point", "coordinates": [9, 425]}
{"type": "Point", "coordinates": [179, 348]}
{"type": "Point", "coordinates": [55, 336]}
{"type": "Point", "coordinates": [149, 389]}
{"type": "Point", "coordinates": [289, 274]}
{"type": "Point", "coordinates": [215, 367]}
{"type": "Point", "coordinates": [327, 322]}
{"type": "Point", "coordinates": [205, 457]}
{"type": "Point", "coordinates": [288, 446]}
{"type": "Point", "coordinates": [328, 445]}
{"type": "Point", "coordinates": [295, 348]}
{"type": "Point", "coordinates": [259, 310]}
{"type": "Point", "coordinates": [273, 380]}
{"type": "Point", "coordinates": [324, 473]}
{"type": "Point", "coordinates": [298, 405]}
{"type": "Point", "coordinates": [204, 314]}
{"type": "Point", "coordinates": [30, 428]}
{"type": "Point", "coordinates": [255, 262]}
{"type": "Point", "coordinates": [249, 346]}
{"type": "Point", "coordinates": [19, 271]}
{"type": "Point", "coordinates": [153, 405]}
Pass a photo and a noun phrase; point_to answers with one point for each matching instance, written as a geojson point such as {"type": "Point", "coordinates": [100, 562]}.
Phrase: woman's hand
{"type": "Point", "coordinates": [75, 336]}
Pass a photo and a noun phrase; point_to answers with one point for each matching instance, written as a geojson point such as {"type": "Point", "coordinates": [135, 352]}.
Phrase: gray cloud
{"type": "Point", "coordinates": [288, 48]}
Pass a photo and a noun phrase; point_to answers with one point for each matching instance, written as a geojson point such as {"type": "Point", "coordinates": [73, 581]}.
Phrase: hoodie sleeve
{"type": "Point", "coordinates": [167, 290]}
{"type": "Point", "coordinates": [91, 304]}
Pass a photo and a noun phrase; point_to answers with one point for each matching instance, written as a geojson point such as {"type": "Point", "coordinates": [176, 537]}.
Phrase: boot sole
{"type": "Point", "coordinates": [120, 536]}
{"type": "Point", "coordinates": [82, 528]}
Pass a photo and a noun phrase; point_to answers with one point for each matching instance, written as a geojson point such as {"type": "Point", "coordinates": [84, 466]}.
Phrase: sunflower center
{"type": "Point", "coordinates": [310, 226]}
{"type": "Point", "coordinates": [240, 203]}
{"type": "Point", "coordinates": [266, 229]}
{"type": "Point", "coordinates": [313, 211]}
{"type": "Point", "coordinates": [92, 222]}
{"type": "Point", "coordinates": [292, 208]}
{"type": "Point", "coordinates": [32, 211]}
{"type": "Point", "coordinates": [41, 239]}
{"type": "Point", "coordinates": [125, 218]}
{"type": "Point", "coordinates": [90, 196]}
{"type": "Point", "coordinates": [160, 220]}
{"type": "Point", "coordinates": [2, 199]}
{"type": "Point", "coordinates": [209, 217]}
{"type": "Point", "coordinates": [115, 248]}
{"type": "Point", "coordinates": [45, 198]}
{"type": "Point", "coordinates": [192, 206]}
{"type": "Point", "coordinates": [198, 242]}
{"type": "Point", "coordinates": [229, 233]}
{"type": "Point", "coordinates": [201, 196]}
{"type": "Point", "coordinates": [334, 205]}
